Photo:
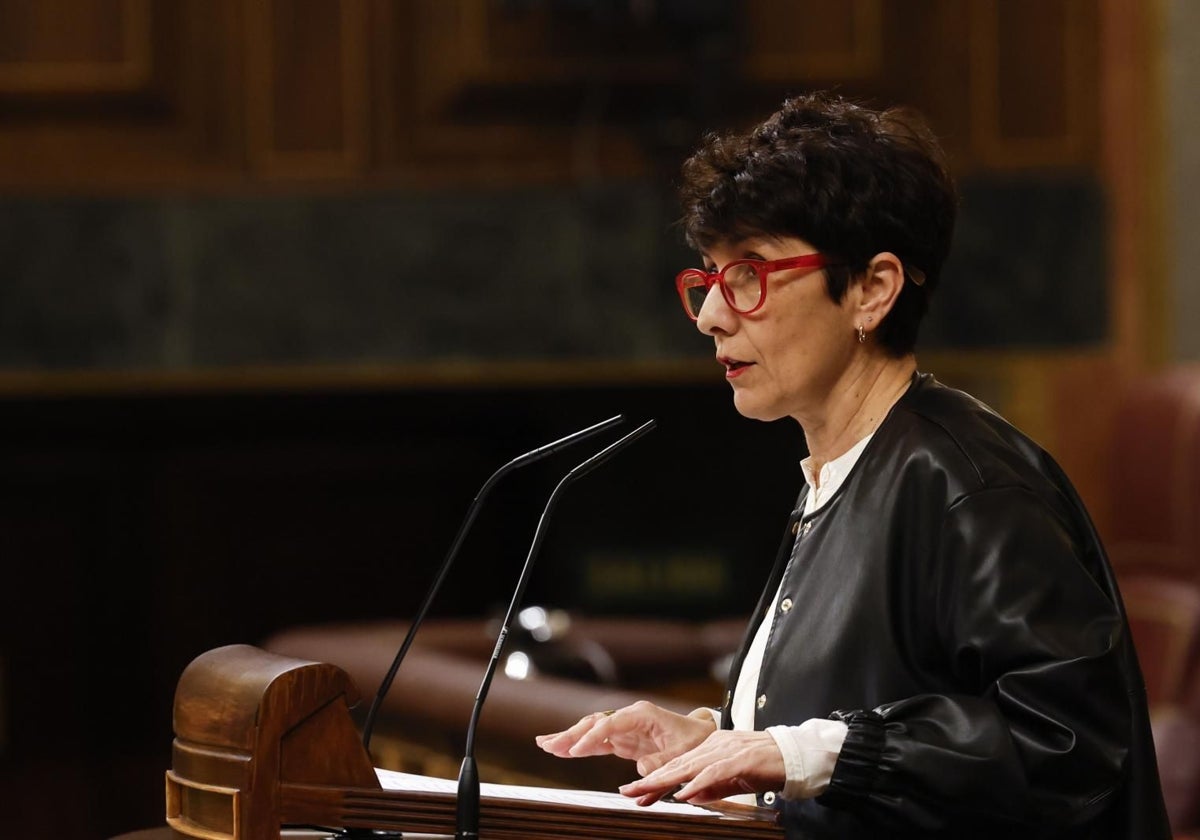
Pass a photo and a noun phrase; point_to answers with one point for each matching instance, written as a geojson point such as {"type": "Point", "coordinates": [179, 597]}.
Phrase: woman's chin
{"type": "Point", "coordinates": [754, 410]}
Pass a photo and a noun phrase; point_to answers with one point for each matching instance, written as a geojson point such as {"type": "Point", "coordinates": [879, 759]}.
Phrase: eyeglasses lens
{"type": "Point", "coordinates": [695, 295]}
{"type": "Point", "coordinates": [742, 286]}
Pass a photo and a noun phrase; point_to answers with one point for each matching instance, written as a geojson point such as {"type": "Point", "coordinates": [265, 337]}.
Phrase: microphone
{"type": "Point", "coordinates": [520, 461]}
{"type": "Point", "coordinates": [467, 827]}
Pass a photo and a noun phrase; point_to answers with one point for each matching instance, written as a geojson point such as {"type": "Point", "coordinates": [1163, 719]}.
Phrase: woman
{"type": "Point", "coordinates": [941, 650]}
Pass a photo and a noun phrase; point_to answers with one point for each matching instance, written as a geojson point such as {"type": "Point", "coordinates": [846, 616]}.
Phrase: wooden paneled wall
{"type": "Point", "coordinates": [129, 95]}
{"type": "Point", "coordinates": [136, 93]}
{"type": "Point", "coordinates": [146, 97]}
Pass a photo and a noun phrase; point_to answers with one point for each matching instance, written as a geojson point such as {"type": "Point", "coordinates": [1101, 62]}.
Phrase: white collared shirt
{"type": "Point", "coordinates": [811, 749]}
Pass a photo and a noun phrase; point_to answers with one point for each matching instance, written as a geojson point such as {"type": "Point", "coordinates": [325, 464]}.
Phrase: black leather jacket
{"type": "Point", "coordinates": [953, 604]}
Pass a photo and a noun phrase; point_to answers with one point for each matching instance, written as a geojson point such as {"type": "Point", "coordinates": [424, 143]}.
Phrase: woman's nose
{"type": "Point", "coordinates": [714, 315]}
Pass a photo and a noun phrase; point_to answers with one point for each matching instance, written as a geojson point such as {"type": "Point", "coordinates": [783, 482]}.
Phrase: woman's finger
{"type": "Point", "coordinates": [726, 763]}
{"type": "Point", "coordinates": [561, 743]}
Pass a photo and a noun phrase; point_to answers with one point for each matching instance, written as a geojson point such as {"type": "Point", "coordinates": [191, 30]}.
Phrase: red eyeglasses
{"type": "Point", "coordinates": [743, 282]}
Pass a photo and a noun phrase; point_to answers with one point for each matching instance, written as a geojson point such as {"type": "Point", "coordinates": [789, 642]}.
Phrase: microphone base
{"type": "Point", "coordinates": [467, 823]}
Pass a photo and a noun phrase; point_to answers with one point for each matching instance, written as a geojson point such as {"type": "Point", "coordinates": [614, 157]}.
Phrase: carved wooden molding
{"type": "Point", "coordinates": [803, 40]}
{"type": "Point", "coordinates": [278, 145]}
{"type": "Point", "coordinates": [470, 90]}
{"type": "Point", "coordinates": [432, 54]}
{"type": "Point", "coordinates": [1063, 26]}
{"type": "Point", "coordinates": [128, 73]}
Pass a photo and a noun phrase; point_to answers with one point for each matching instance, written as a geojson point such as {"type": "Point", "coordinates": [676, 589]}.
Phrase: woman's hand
{"type": "Point", "coordinates": [643, 732]}
{"type": "Point", "coordinates": [726, 763]}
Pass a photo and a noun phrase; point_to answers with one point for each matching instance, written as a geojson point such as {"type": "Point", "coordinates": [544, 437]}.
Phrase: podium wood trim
{"type": "Point", "coordinates": [264, 741]}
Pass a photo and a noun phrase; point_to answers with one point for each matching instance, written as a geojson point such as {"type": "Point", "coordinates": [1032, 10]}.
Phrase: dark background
{"type": "Point", "coordinates": [142, 531]}
{"type": "Point", "coordinates": [282, 282]}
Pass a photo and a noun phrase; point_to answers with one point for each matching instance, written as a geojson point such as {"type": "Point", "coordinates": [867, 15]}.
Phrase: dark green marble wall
{"type": "Point", "coordinates": [179, 282]}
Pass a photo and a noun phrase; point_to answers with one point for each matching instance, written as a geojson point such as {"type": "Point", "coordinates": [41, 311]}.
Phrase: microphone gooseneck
{"type": "Point", "coordinates": [520, 461]}
{"type": "Point", "coordinates": [468, 776]}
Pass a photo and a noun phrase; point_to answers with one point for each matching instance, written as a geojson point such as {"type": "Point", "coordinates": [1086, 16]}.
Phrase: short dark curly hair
{"type": "Point", "coordinates": [851, 180]}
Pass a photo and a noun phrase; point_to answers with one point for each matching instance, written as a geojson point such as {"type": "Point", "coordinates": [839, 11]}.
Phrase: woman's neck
{"type": "Point", "coordinates": [856, 408]}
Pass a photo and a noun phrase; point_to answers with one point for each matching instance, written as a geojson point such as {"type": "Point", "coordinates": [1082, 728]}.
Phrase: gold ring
{"type": "Point", "coordinates": [609, 712]}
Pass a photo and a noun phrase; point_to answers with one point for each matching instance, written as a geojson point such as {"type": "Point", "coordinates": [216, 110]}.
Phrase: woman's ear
{"type": "Point", "coordinates": [879, 288]}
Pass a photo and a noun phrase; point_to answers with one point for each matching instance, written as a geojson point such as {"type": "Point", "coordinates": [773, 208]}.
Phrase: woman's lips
{"type": "Point", "coordinates": [734, 368]}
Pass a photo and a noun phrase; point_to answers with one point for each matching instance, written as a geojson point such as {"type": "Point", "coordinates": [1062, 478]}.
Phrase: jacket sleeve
{"type": "Point", "coordinates": [1033, 725]}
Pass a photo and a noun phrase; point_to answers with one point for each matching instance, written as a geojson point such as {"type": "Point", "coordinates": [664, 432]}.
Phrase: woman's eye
{"type": "Point", "coordinates": [740, 275]}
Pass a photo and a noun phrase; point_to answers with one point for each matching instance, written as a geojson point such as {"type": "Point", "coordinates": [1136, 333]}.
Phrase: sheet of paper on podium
{"type": "Point", "coordinates": [595, 799]}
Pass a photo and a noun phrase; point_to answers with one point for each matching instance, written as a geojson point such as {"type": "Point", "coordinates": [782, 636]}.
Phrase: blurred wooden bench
{"type": "Point", "coordinates": [423, 719]}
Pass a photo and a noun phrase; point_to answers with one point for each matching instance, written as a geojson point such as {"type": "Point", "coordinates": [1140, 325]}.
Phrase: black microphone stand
{"type": "Point", "coordinates": [520, 461]}
{"type": "Point", "coordinates": [467, 827]}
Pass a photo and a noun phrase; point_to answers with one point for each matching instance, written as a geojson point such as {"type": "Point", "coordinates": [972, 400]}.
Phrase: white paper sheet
{"type": "Point", "coordinates": [392, 780]}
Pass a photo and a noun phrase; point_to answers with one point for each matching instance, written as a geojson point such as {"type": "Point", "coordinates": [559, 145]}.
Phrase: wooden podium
{"type": "Point", "coordinates": [264, 741]}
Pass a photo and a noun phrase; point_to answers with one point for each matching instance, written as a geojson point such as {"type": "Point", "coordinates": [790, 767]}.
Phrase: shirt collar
{"type": "Point", "coordinates": [833, 473]}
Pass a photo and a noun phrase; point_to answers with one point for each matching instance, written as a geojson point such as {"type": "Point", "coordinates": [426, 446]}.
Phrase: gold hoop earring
{"type": "Point", "coordinates": [862, 336]}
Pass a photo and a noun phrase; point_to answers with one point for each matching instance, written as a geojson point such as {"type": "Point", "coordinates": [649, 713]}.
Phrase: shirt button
{"type": "Point", "coordinates": [769, 798]}
{"type": "Point", "coordinates": [785, 605]}
{"type": "Point", "coordinates": [762, 700]}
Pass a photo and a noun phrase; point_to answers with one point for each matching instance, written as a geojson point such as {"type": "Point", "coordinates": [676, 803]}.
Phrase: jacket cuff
{"type": "Point", "coordinates": [857, 767]}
